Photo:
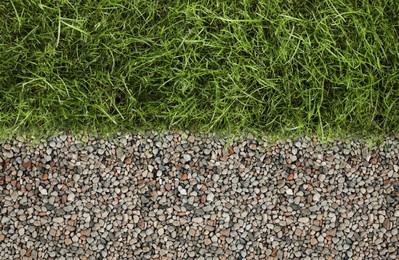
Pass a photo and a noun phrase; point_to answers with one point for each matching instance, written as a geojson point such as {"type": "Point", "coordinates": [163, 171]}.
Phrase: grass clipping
{"type": "Point", "coordinates": [281, 67]}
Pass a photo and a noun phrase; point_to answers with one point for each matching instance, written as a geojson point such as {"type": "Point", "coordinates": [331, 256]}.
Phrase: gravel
{"type": "Point", "coordinates": [180, 195]}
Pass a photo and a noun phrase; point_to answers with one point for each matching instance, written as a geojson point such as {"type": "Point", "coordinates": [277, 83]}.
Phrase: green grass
{"type": "Point", "coordinates": [269, 67]}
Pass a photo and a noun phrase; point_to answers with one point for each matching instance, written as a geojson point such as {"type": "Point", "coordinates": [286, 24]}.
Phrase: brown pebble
{"type": "Point", "coordinates": [387, 224]}
{"type": "Point", "coordinates": [86, 232]}
{"type": "Point", "coordinates": [41, 214]}
{"type": "Point", "coordinates": [68, 241]}
{"type": "Point", "coordinates": [168, 186]}
{"type": "Point", "coordinates": [373, 161]}
{"type": "Point", "coordinates": [45, 177]}
{"type": "Point", "coordinates": [332, 232]}
{"type": "Point", "coordinates": [64, 198]}
{"type": "Point", "coordinates": [203, 199]}
{"type": "Point", "coordinates": [27, 164]}
{"type": "Point", "coordinates": [128, 160]}
{"type": "Point", "coordinates": [290, 176]}
{"type": "Point", "coordinates": [2, 237]}
{"type": "Point", "coordinates": [225, 232]}
{"type": "Point", "coordinates": [184, 177]}
{"type": "Point", "coordinates": [181, 214]}
{"type": "Point", "coordinates": [141, 224]}
{"type": "Point", "coordinates": [28, 251]}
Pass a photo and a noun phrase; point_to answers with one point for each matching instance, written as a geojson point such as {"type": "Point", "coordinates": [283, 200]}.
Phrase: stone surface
{"type": "Point", "coordinates": [184, 195]}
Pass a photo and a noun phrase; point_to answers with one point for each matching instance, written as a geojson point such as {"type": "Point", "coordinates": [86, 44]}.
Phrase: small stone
{"type": "Point", "coordinates": [141, 224]}
{"type": "Point", "coordinates": [191, 139]}
{"type": "Point", "coordinates": [68, 241]}
{"type": "Point", "coordinates": [2, 237]}
{"type": "Point", "coordinates": [313, 241]}
{"type": "Point", "coordinates": [396, 214]}
{"type": "Point", "coordinates": [45, 177]}
{"type": "Point", "coordinates": [187, 157]}
{"type": "Point", "coordinates": [289, 192]}
{"type": "Point", "coordinates": [316, 197]}
{"type": "Point", "coordinates": [210, 197]}
{"type": "Point", "coordinates": [21, 231]}
{"type": "Point", "coordinates": [183, 191]}
{"type": "Point", "coordinates": [387, 224]}
{"type": "Point", "coordinates": [58, 220]}
{"type": "Point", "coordinates": [69, 208]}
{"type": "Point", "coordinates": [136, 219]}
{"type": "Point", "coordinates": [100, 151]}
{"type": "Point", "coordinates": [207, 241]}
{"type": "Point", "coordinates": [191, 232]}
{"type": "Point", "coordinates": [27, 164]}
{"type": "Point", "coordinates": [71, 196]}
{"type": "Point", "coordinates": [75, 239]}
{"type": "Point", "coordinates": [304, 220]}
{"type": "Point", "coordinates": [197, 220]}
{"type": "Point", "coordinates": [225, 232]}
{"type": "Point", "coordinates": [43, 191]}
{"type": "Point", "coordinates": [161, 231]}
{"type": "Point", "coordinates": [86, 232]}
{"type": "Point", "coordinates": [331, 232]}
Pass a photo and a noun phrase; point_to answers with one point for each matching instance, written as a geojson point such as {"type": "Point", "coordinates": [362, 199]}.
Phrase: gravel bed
{"type": "Point", "coordinates": [180, 196]}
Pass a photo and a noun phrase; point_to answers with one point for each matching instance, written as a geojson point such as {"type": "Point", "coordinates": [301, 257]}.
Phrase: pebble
{"type": "Point", "coordinates": [303, 220]}
{"type": "Point", "coordinates": [151, 195]}
{"type": "Point", "coordinates": [289, 192]}
{"type": "Point", "coordinates": [197, 220]}
{"type": "Point", "coordinates": [187, 157]}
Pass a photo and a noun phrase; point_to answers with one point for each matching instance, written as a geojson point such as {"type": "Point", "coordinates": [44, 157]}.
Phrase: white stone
{"type": "Point", "coordinates": [182, 191]}
{"type": "Point", "coordinates": [316, 197]}
{"type": "Point", "coordinates": [58, 220]}
{"type": "Point", "coordinates": [187, 157]}
{"type": "Point", "coordinates": [304, 220]}
{"type": "Point", "coordinates": [43, 191]}
{"type": "Point", "coordinates": [197, 220]}
{"type": "Point", "coordinates": [210, 197]}
{"type": "Point", "coordinates": [71, 196]}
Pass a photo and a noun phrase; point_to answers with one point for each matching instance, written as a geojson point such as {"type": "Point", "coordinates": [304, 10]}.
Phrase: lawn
{"type": "Point", "coordinates": [270, 67]}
